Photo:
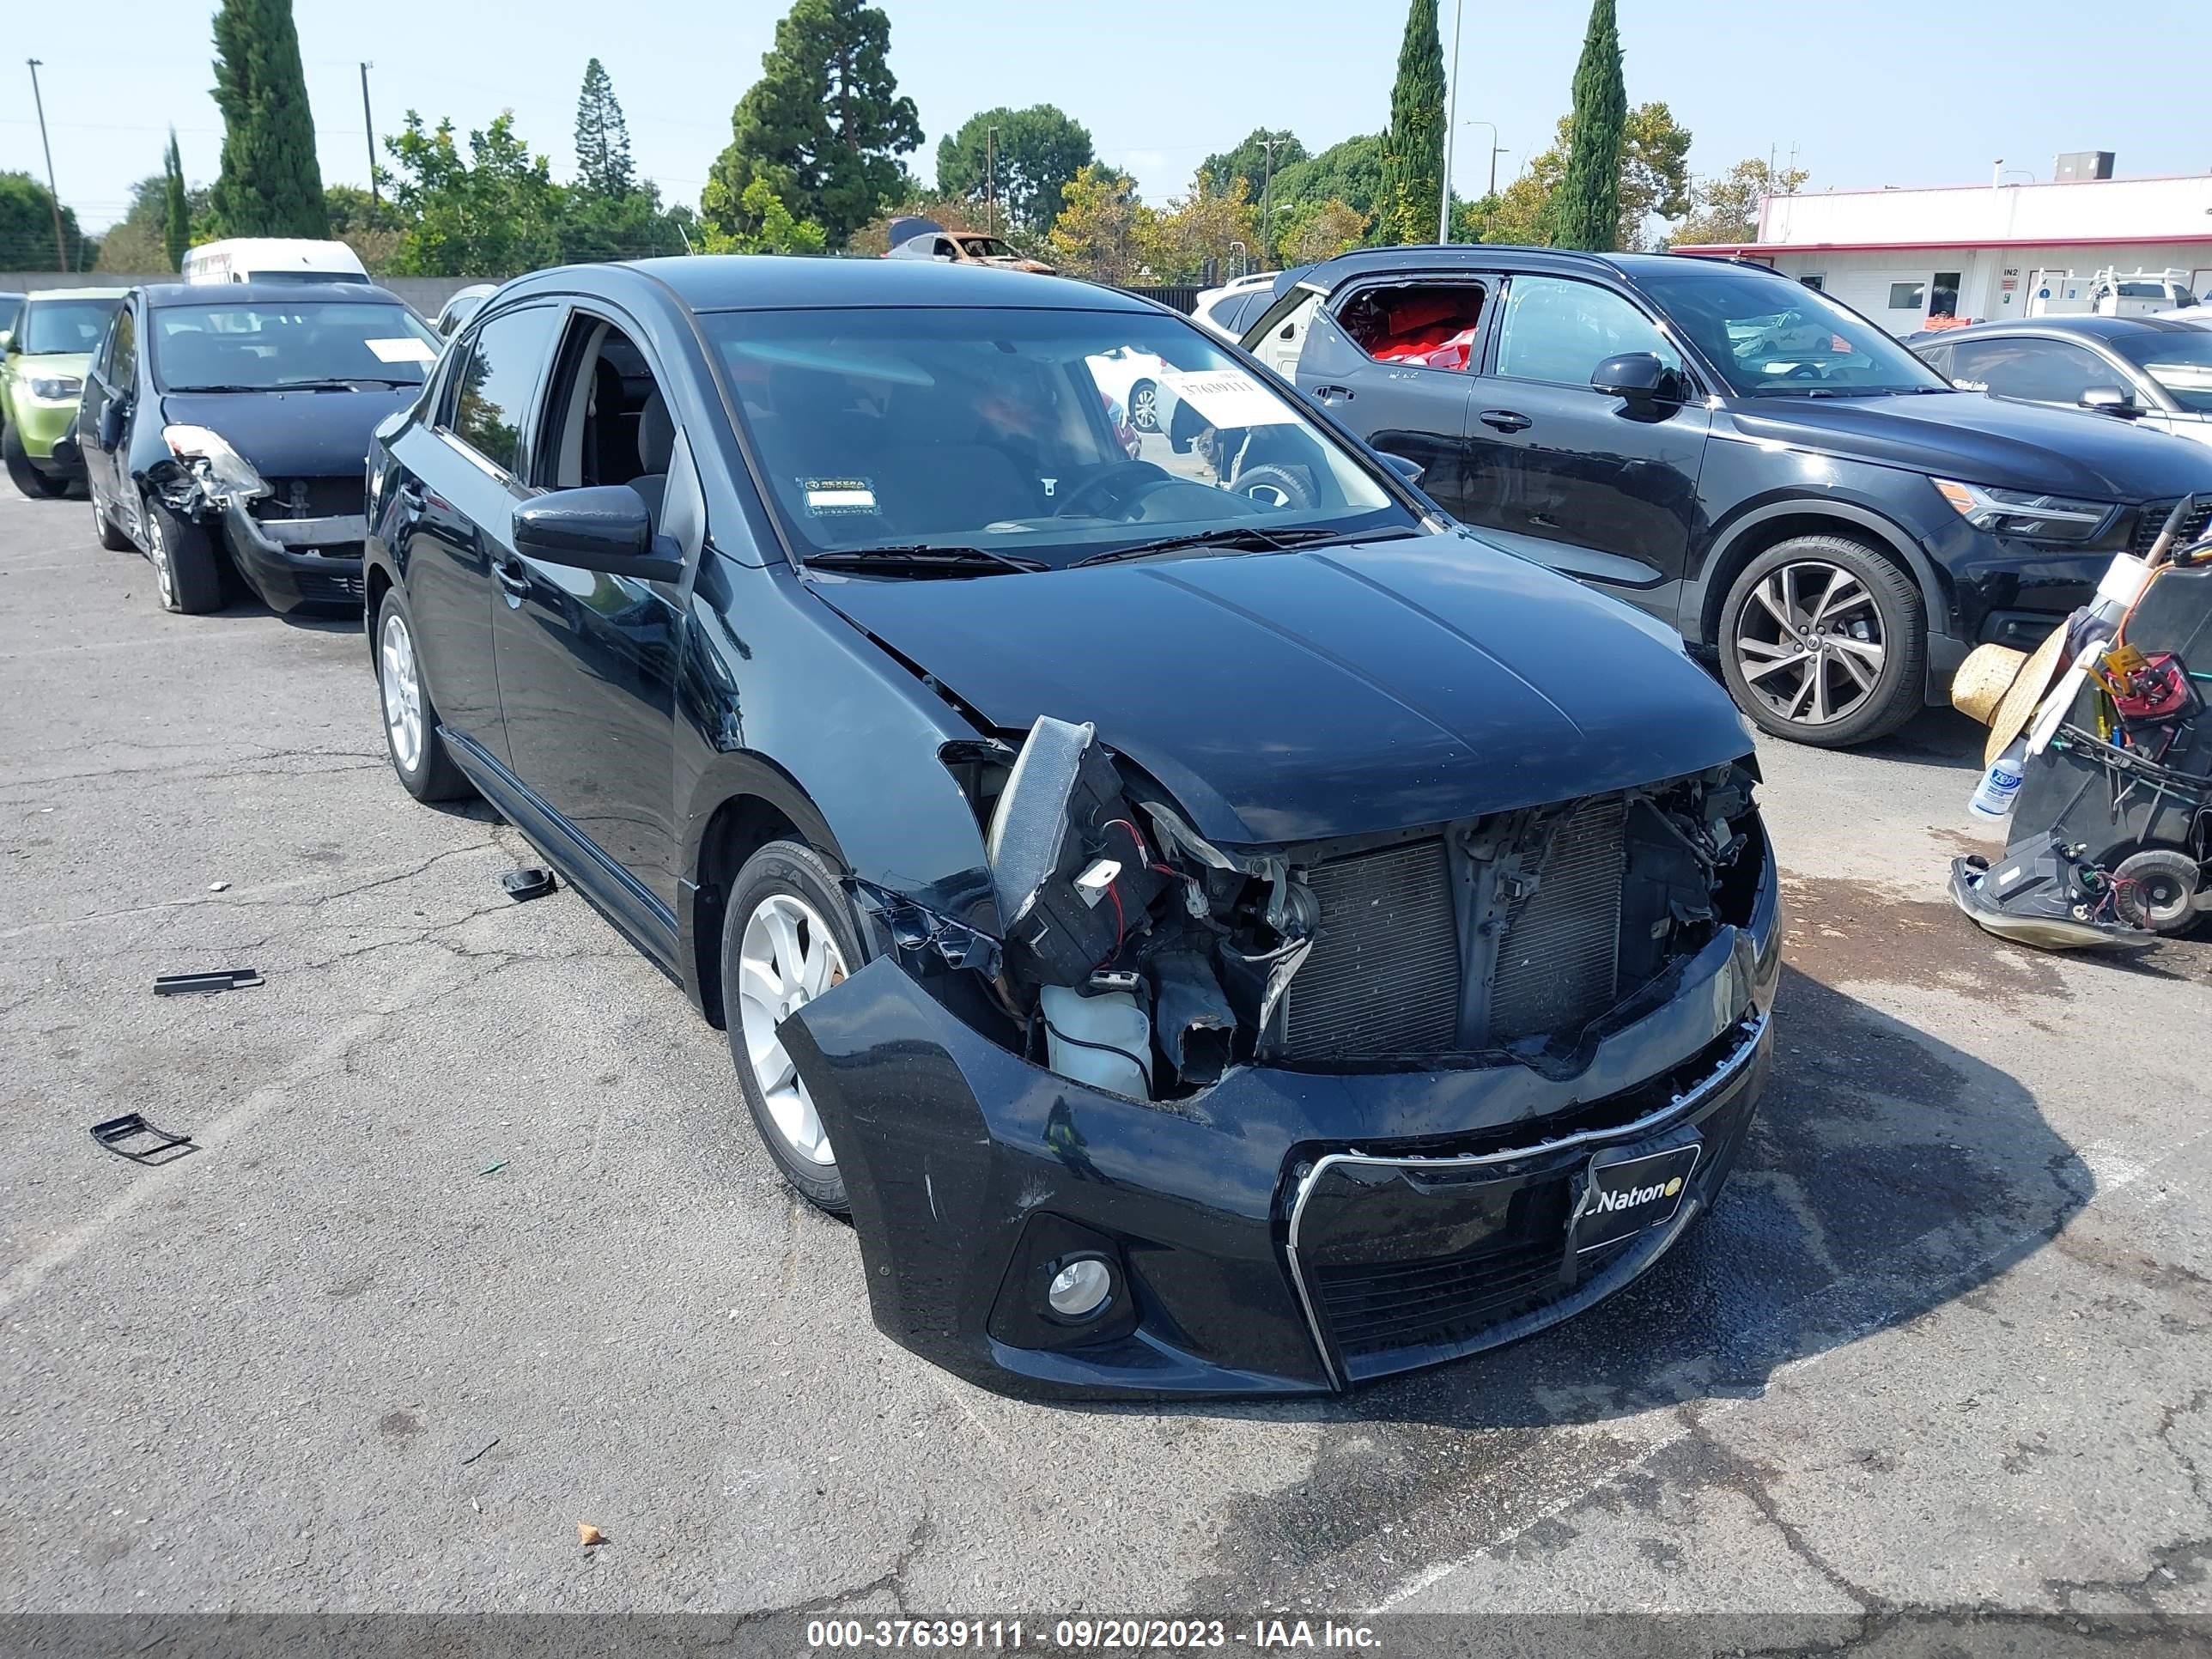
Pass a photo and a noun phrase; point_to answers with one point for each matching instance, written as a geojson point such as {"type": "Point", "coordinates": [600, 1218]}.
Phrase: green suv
{"type": "Point", "coordinates": [42, 367]}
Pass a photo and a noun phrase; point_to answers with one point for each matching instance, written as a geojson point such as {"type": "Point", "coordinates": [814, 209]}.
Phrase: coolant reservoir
{"type": "Point", "coordinates": [1103, 1040]}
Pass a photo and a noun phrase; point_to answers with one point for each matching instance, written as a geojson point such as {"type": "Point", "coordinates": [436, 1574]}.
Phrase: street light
{"type": "Point", "coordinates": [1451, 114]}
{"type": "Point", "coordinates": [60, 253]}
{"type": "Point", "coordinates": [1497, 149]}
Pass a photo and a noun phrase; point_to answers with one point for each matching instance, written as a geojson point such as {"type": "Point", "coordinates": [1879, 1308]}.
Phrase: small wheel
{"type": "Point", "coordinates": [411, 722]}
{"type": "Point", "coordinates": [24, 474]}
{"type": "Point", "coordinates": [185, 569]}
{"type": "Point", "coordinates": [1145, 406]}
{"type": "Point", "coordinates": [1824, 642]}
{"type": "Point", "coordinates": [1276, 486]}
{"type": "Point", "coordinates": [787, 936]}
{"type": "Point", "coordinates": [2157, 889]}
{"type": "Point", "coordinates": [103, 528]}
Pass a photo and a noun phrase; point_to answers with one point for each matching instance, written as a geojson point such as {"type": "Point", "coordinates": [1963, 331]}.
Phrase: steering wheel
{"type": "Point", "coordinates": [1807, 372]}
{"type": "Point", "coordinates": [1110, 493]}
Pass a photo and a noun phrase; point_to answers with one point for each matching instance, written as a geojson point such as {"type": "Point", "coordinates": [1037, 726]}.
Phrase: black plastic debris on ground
{"type": "Point", "coordinates": [205, 985]}
{"type": "Point", "coordinates": [130, 1136]}
{"type": "Point", "coordinates": [531, 881]}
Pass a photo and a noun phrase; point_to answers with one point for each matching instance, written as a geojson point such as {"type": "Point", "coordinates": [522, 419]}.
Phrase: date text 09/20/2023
{"type": "Point", "coordinates": [1092, 1635]}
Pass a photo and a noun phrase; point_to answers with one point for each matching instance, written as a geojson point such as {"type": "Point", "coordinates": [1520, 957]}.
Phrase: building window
{"type": "Point", "coordinates": [1908, 296]}
{"type": "Point", "coordinates": [1945, 302]}
{"type": "Point", "coordinates": [1817, 280]}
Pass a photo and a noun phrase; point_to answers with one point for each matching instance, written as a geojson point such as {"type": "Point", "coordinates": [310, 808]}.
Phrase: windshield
{"type": "Point", "coordinates": [2179, 361]}
{"type": "Point", "coordinates": [265, 346]}
{"type": "Point", "coordinates": [1043, 436]}
{"type": "Point", "coordinates": [1770, 336]}
{"type": "Point", "coordinates": [61, 325]}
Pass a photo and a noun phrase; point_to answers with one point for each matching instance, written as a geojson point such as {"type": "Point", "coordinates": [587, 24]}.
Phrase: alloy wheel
{"type": "Point", "coordinates": [403, 692]}
{"type": "Point", "coordinates": [1808, 641]}
{"type": "Point", "coordinates": [1144, 407]}
{"type": "Point", "coordinates": [164, 574]}
{"type": "Point", "coordinates": [787, 958]}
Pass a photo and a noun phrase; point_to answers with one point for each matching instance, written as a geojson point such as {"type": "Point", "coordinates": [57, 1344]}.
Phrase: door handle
{"type": "Point", "coordinates": [1333, 394]}
{"type": "Point", "coordinates": [512, 575]}
{"type": "Point", "coordinates": [1505, 420]}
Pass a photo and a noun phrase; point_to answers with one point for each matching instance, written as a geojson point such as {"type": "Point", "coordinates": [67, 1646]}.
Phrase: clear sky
{"type": "Point", "coordinates": [1864, 96]}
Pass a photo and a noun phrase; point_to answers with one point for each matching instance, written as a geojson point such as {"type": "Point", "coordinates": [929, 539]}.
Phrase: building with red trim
{"type": "Point", "coordinates": [1982, 253]}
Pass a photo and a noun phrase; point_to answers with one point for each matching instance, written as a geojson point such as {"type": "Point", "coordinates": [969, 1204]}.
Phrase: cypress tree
{"type": "Point", "coordinates": [603, 163]}
{"type": "Point", "coordinates": [176, 212]}
{"type": "Point", "coordinates": [1413, 149]}
{"type": "Point", "coordinates": [1587, 206]}
{"type": "Point", "coordinates": [271, 184]}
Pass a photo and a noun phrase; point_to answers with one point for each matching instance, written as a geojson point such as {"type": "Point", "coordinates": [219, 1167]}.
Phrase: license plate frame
{"type": "Point", "coordinates": [1664, 1173]}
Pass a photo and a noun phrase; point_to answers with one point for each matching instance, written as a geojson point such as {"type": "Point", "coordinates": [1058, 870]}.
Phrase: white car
{"type": "Point", "coordinates": [1131, 378]}
{"type": "Point", "coordinates": [1222, 312]}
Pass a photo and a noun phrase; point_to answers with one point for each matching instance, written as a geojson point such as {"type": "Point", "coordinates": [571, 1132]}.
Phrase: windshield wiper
{"type": "Point", "coordinates": [922, 559]}
{"type": "Point", "coordinates": [1249, 536]}
{"type": "Point", "coordinates": [174, 389]}
{"type": "Point", "coordinates": [344, 384]}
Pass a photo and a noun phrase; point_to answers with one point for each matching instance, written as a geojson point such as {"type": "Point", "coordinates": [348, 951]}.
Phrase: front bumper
{"type": "Point", "coordinates": [295, 562]}
{"type": "Point", "coordinates": [1283, 1232]}
{"type": "Point", "coordinates": [37, 423]}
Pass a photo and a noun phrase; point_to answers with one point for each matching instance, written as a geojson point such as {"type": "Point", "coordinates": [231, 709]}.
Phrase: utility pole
{"type": "Point", "coordinates": [1451, 111]}
{"type": "Point", "coordinates": [61, 252]}
{"type": "Point", "coordinates": [1497, 149]}
{"type": "Point", "coordinates": [368, 130]}
{"type": "Point", "coordinates": [1267, 194]}
{"type": "Point", "coordinates": [991, 178]}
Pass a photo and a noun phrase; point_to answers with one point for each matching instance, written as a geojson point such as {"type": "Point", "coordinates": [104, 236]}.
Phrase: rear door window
{"type": "Point", "coordinates": [492, 393]}
{"type": "Point", "coordinates": [1558, 330]}
{"type": "Point", "coordinates": [1418, 325]}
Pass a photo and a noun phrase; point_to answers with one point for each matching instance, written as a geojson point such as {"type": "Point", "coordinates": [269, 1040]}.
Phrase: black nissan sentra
{"type": "Point", "coordinates": [1214, 928]}
{"type": "Point", "coordinates": [227, 425]}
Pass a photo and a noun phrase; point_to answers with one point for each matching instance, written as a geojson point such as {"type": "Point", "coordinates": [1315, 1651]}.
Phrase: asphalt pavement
{"type": "Point", "coordinates": [479, 1245]}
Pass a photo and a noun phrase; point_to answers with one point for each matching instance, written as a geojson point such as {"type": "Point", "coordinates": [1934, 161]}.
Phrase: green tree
{"type": "Point", "coordinates": [494, 214]}
{"type": "Point", "coordinates": [1102, 227]}
{"type": "Point", "coordinates": [1726, 209]}
{"type": "Point", "coordinates": [1587, 212]}
{"type": "Point", "coordinates": [824, 125]}
{"type": "Point", "coordinates": [269, 184]}
{"type": "Point", "coordinates": [1249, 161]}
{"type": "Point", "coordinates": [774, 230]}
{"type": "Point", "coordinates": [1413, 149]}
{"type": "Point", "coordinates": [630, 226]}
{"type": "Point", "coordinates": [1654, 182]}
{"type": "Point", "coordinates": [1197, 235]}
{"type": "Point", "coordinates": [603, 163]}
{"type": "Point", "coordinates": [1315, 231]}
{"type": "Point", "coordinates": [176, 207]}
{"type": "Point", "coordinates": [1033, 155]}
{"type": "Point", "coordinates": [1351, 173]}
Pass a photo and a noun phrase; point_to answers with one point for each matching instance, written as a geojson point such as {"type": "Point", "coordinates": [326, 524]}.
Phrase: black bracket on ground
{"type": "Point", "coordinates": [202, 985]}
{"type": "Point", "coordinates": [166, 1148]}
{"type": "Point", "coordinates": [531, 881]}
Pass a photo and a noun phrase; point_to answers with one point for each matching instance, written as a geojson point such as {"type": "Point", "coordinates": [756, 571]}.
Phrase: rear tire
{"type": "Point", "coordinates": [1145, 406]}
{"type": "Point", "coordinates": [418, 753]}
{"type": "Point", "coordinates": [186, 569]}
{"type": "Point", "coordinates": [1824, 642]}
{"type": "Point", "coordinates": [787, 936]}
{"type": "Point", "coordinates": [24, 475]}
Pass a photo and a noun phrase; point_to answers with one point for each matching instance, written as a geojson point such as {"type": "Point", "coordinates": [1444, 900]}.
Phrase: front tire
{"type": "Point", "coordinates": [1145, 406]}
{"type": "Point", "coordinates": [418, 754]}
{"type": "Point", "coordinates": [787, 936]}
{"type": "Point", "coordinates": [186, 571]}
{"type": "Point", "coordinates": [1825, 642]}
{"type": "Point", "coordinates": [23, 474]}
{"type": "Point", "coordinates": [103, 528]}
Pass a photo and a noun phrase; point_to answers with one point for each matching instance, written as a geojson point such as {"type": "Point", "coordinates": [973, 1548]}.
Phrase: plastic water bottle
{"type": "Point", "coordinates": [2000, 785]}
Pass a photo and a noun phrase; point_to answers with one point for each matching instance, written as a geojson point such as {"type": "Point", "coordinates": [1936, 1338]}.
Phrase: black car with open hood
{"type": "Point", "coordinates": [1216, 926]}
{"type": "Point", "coordinates": [229, 425]}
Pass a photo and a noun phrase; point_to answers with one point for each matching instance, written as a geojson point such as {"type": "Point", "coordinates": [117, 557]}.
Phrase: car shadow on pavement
{"type": "Point", "coordinates": [1936, 737]}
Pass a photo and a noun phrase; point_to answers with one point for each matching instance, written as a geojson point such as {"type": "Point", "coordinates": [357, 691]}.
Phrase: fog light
{"type": "Point", "coordinates": [1080, 1289]}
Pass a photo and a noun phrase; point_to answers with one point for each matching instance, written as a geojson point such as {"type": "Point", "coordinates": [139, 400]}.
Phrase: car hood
{"type": "Point", "coordinates": [1293, 697]}
{"type": "Point", "coordinates": [292, 434]}
{"type": "Point", "coordinates": [47, 364]}
{"type": "Point", "coordinates": [1972, 436]}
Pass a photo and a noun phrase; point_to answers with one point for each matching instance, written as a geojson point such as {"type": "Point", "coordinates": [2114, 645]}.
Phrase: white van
{"type": "Point", "coordinates": [273, 259]}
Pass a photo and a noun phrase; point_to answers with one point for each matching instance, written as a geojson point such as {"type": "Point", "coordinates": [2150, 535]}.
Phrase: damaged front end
{"type": "Point", "coordinates": [1128, 1110]}
{"type": "Point", "coordinates": [298, 541]}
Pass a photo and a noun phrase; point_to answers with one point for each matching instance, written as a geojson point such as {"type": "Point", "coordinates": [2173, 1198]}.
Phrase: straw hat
{"type": "Point", "coordinates": [2000, 688]}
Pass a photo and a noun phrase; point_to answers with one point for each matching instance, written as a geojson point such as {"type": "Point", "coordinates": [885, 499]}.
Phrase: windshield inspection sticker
{"type": "Point", "coordinates": [1229, 398]}
{"type": "Point", "coordinates": [833, 498]}
{"type": "Point", "coordinates": [401, 350]}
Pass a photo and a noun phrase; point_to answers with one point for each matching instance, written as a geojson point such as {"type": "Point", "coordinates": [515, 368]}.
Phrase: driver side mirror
{"type": "Point", "coordinates": [2112, 400]}
{"type": "Point", "coordinates": [7, 340]}
{"type": "Point", "coordinates": [1638, 377]}
{"type": "Point", "coordinates": [111, 423]}
{"type": "Point", "coordinates": [1410, 471]}
{"type": "Point", "coordinates": [599, 527]}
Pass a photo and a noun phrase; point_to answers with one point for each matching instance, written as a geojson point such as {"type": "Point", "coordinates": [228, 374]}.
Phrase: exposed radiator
{"type": "Point", "coordinates": [1559, 963]}
{"type": "Point", "coordinates": [1383, 976]}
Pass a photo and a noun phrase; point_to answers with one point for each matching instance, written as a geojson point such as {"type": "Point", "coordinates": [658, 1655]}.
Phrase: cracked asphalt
{"type": "Point", "coordinates": [479, 1245]}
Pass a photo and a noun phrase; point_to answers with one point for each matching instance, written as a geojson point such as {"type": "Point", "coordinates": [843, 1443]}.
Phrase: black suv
{"type": "Point", "coordinates": [1758, 466]}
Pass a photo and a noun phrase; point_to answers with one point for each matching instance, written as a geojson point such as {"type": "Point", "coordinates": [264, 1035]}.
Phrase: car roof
{"type": "Point", "coordinates": [2094, 328]}
{"type": "Point", "coordinates": [77, 294]}
{"type": "Point", "coordinates": [783, 282]}
{"type": "Point", "coordinates": [162, 295]}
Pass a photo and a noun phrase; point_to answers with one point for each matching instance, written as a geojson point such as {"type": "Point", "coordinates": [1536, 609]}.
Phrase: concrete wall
{"type": "Point", "coordinates": [425, 294]}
